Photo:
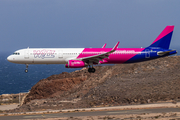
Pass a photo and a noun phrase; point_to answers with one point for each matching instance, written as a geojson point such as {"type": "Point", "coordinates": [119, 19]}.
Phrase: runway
{"type": "Point", "coordinates": [94, 113]}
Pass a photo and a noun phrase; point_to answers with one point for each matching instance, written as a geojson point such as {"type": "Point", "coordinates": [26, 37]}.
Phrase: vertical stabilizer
{"type": "Point", "coordinates": [164, 38]}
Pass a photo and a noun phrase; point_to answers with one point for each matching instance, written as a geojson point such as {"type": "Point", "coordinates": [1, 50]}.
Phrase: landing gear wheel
{"type": "Point", "coordinates": [91, 70]}
{"type": "Point", "coordinates": [26, 70]}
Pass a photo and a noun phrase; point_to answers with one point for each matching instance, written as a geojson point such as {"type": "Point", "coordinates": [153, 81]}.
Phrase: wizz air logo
{"type": "Point", "coordinates": [75, 63]}
{"type": "Point", "coordinates": [44, 53]}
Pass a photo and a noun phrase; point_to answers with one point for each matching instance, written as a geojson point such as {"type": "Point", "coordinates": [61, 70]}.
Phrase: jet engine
{"type": "Point", "coordinates": [75, 64]}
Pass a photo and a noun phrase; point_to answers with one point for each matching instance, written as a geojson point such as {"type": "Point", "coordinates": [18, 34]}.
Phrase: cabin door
{"type": "Point", "coordinates": [60, 54]}
{"type": "Point", "coordinates": [26, 54]}
{"type": "Point", "coordinates": [147, 53]}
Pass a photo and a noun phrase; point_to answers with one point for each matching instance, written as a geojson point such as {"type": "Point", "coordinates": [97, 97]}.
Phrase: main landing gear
{"type": "Point", "coordinates": [26, 70]}
{"type": "Point", "coordinates": [91, 70]}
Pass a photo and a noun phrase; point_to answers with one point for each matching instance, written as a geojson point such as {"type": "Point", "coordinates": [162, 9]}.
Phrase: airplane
{"type": "Point", "coordinates": [88, 57]}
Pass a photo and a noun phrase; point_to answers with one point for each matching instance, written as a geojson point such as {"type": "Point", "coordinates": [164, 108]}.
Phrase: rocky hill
{"type": "Point", "coordinates": [122, 84]}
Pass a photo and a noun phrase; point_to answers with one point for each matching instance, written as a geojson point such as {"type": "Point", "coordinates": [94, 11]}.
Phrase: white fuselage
{"type": "Point", "coordinates": [44, 55]}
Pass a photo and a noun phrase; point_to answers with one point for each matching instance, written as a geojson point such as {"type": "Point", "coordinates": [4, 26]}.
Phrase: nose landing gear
{"type": "Point", "coordinates": [26, 70]}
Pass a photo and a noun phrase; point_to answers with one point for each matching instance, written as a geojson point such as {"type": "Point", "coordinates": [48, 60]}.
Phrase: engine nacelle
{"type": "Point", "coordinates": [75, 64]}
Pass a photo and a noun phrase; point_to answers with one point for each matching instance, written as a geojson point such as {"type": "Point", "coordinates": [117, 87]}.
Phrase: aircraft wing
{"type": "Point", "coordinates": [164, 52]}
{"type": "Point", "coordinates": [99, 57]}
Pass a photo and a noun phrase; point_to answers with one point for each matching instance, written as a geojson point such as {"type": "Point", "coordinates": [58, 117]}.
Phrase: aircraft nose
{"type": "Point", "coordinates": [9, 58]}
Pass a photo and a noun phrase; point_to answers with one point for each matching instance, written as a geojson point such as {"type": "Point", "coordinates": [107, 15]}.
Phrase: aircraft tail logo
{"type": "Point", "coordinates": [164, 38]}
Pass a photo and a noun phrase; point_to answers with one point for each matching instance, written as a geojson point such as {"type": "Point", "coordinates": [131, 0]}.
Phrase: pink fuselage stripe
{"type": "Point", "coordinates": [165, 32]}
{"type": "Point", "coordinates": [121, 55]}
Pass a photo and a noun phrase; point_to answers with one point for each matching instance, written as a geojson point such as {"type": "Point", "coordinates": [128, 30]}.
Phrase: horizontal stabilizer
{"type": "Point", "coordinates": [161, 53]}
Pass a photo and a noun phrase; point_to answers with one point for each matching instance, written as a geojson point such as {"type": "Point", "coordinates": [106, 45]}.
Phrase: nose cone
{"type": "Point", "coordinates": [9, 58]}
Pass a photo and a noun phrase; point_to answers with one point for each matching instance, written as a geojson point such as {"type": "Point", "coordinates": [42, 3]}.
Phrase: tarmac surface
{"type": "Point", "coordinates": [103, 111]}
{"type": "Point", "coordinates": [95, 113]}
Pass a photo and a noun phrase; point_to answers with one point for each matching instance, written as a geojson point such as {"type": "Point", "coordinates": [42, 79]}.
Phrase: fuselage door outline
{"type": "Point", "coordinates": [26, 53]}
{"type": "Point", "coordinates": [60, 54]}
{"type": "Point", "coordinates": [147, 53]}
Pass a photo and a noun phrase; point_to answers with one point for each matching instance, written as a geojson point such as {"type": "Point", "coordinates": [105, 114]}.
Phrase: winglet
{"type": "Point", "coordinates": [104, 45]}
{"type": "Point", "coordinates": [115, 47]}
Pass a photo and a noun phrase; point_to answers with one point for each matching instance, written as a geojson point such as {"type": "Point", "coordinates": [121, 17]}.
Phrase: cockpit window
{"type": "Point", "coordinates": [16, 53]}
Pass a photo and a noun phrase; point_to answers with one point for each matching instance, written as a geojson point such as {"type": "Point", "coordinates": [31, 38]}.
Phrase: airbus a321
{"type": "Point", "coordinates": [87, 57]}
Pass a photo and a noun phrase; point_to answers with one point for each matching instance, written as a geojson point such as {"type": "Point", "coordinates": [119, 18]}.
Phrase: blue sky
{"type": "Point", "coordinates": [85, 23]}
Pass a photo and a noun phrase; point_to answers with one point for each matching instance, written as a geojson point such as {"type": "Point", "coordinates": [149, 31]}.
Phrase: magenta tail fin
{"type": "Point", "coordinates": [164, 38]}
